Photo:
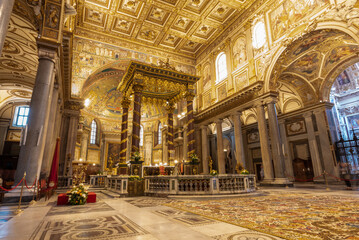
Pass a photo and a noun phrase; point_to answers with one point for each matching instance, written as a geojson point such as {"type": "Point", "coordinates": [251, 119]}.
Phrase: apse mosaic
{"type": "Point", "coordinates": [105, 100]}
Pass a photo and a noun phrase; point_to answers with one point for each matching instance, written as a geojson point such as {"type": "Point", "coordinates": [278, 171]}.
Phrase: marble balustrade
{"type": "Point", "coordinates": [200, 184]}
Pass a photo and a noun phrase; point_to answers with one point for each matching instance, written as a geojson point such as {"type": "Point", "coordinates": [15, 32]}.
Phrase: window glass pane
{"type": "Point", "coordinates": [25, 121]}
{"type": "Point", "coordinates": [159, 134]}
{"type": "Point", "coordinates": [22, 111]}
{"type": "Point", "coordinates": [93, 132]}
{"type": "Point", "coordinates": [141, 136]}
{"type": "Point", "coordinates": [20, 121]}
{"type": "Point", "coordinates": [21, 116]}
{"type": "Point", "coordinates": [221, 67]}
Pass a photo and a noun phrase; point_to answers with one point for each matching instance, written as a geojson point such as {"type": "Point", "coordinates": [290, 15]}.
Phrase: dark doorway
{"type": "Point", "coordinates": [302, 162]}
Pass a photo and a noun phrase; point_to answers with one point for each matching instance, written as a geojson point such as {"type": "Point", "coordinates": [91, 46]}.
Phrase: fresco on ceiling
{"type": "Point", "coordinates": [90, 56]}
{"type": "Point", "coordinates": [337, 55]}
{"type": "Point", "coordinates": [303, 88]}
{"type": "Point", "coordinates": [206, 77]}
{"type": "Point", "coordinates": [290, 12]}
{"type": "Point", "coordinates": [308, 65]}
{"type": "Point", "coordinates": [239, 52]}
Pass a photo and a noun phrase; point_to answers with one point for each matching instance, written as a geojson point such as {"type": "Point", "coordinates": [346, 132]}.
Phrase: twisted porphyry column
{"type": "Point", "coordinates": [136, 121]}
{"type": "Point", "coordinates": [124, 129]}
{"type": "Point", "coordinates": [170, 109]}
{"type": "Point", "coordinates": [190, 124]}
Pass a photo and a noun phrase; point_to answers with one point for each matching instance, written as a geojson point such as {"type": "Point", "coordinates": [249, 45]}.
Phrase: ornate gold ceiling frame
{"type": "Point", "coordinates": [137, 72]}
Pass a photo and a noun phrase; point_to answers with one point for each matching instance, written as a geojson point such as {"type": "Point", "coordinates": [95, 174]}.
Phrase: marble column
{"type": "Point", "coordinates": [136, 120]}
{"type": "Point", "coordinates": [170, 109]}
{"type": "Point", "coordinates": [285, 148]}
{"type": "Point", "coordinates": [4, 125]}
{"type": "Point", "coordinates": [205, 155]}
{"type": "Point", "coordinates": [325, 146]}
{"type": "Point", "coordinates": [238, 139]}
{"type": "Point", "coordinates": [72, 110]}
{"type": "Point", "coordinates": [313, 145]}
{"type": "Point", "coordinates": [50, 134]}
{"type": "Point", "coordinates": [190, 124]}
{"type": "Point", "coordinates": [276, 144]}
{"type": "Point", "coordinates": [5, 14]}
{"type": "Point", "coordinates": [185, 143]}
{"type": "Point", "coordinates": [31, 152]}
{"type": "Point", "coordinates": [220, 152]}
{"type": "Point", "coordinates": [264, 143]}
{"type": "Point", "coordinates": [84, 143]}
{"type": "Point", "coordinates": [124, 130]}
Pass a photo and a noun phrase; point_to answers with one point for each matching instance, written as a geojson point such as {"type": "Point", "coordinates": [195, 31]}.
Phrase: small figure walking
{"type": "Point", "coordinates": [345, 171]}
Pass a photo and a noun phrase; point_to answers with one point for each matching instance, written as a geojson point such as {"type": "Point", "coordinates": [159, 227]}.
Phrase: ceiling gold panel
{"type": "Point", "coordinates": [182, 26]}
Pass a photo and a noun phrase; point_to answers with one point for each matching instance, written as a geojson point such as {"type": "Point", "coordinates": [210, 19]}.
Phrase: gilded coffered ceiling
{"type": "Point", "coordinates": [183, 26]}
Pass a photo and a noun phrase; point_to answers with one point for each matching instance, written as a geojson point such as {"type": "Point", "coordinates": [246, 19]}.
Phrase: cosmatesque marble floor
{"type": "Point", "coordinates": [142, 218]}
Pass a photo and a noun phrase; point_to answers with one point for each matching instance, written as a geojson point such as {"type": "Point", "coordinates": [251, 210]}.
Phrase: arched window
{"type": "Point", "coordinates": [21, 116]}
{"type": "Point", "coordinates": [221, 67]}
{"type": "Point", "coordinates": [141, 135]}
{"type": "Point", "coordinates": [159, 133]}
{"type": "Point", "coordinates": [93, 132]}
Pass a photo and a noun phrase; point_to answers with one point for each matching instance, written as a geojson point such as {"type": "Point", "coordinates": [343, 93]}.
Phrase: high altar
{"type": "Point", "coordinates": [145, 84]}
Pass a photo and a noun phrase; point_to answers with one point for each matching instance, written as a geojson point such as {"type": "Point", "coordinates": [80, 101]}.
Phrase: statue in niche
{"type": "Point", "coordinates": [239, 52]}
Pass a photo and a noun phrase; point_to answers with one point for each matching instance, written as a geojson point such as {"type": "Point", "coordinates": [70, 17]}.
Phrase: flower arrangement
{"type": "Point", "coordinates": [136, 156]}
{"type": "Point", "coordinates": [194, 159]}
{"type": "Point", "coordinates": [134, 177]}
{"type": "Point", "coordinates": [244, 171]}
{"type": "Point", "coordinates": [213, 172]}
{"type": "Point", "coordinates": [78, 195]}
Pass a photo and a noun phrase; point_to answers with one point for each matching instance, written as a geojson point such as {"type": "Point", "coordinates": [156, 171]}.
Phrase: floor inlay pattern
{"type": "Point", "coordinates": [148, 202]}
{"type": "Point", "coordinates": [87, 208]}
{"type": "Point", "coordinates": [291, 216]}
{"type": "Point", "coordinates": [109, 227]}
{"type": "Point", "coordinates": [245, 235]}
{"type": "Point", "coordinates": [184, 217]}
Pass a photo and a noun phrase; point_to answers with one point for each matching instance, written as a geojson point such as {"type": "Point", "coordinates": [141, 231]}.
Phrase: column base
{"type": "Point", "coordinates": [282, 182]}
{"type": "Point", "coordinates": [277, 182]}
{"type": "Point", "coordinates": [266, 182]}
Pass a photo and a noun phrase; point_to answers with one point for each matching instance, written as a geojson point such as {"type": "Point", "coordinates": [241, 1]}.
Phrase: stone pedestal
{"type": "Point", "coordinates": [136, 168]}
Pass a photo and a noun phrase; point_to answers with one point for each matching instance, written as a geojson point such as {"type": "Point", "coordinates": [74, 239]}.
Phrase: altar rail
{"type": "Point", "coordinates": [98, 180]}
{"type": "Point", "coordinates": [117, 184]}
{"type": "Point", "coordinates": [200, 184]}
